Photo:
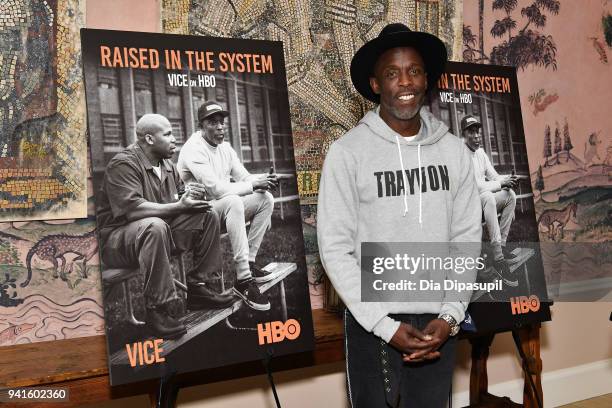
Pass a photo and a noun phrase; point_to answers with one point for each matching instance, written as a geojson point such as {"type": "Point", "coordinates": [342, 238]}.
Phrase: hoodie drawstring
{"type": "Point", "coordinates": [420, 187]}
{"type": "Point", "coordinates": [399, 152]}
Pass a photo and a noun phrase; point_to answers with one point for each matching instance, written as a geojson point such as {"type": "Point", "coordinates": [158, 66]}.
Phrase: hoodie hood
{"type": "Point", "coordinates": [432, 129]}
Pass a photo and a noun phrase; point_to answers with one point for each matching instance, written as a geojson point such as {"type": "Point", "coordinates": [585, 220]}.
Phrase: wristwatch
{"type": "Point", "coordinates": [454, 326]}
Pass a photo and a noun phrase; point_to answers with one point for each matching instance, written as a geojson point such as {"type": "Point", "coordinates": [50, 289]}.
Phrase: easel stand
{"type": "Point", "coordinates": [527, 340]}
{"type": "Point", "coordinates": [166, 394]}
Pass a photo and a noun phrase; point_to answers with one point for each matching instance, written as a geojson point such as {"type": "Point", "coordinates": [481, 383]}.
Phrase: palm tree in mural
{"type": "Point", "coordinates": [528, 46]}
{"type": "Point", "coordinates": [470, 52]}
{"type": "Point", "coordinates": [481, 25]}
{"type": "Point", "coordinates": [501, 27]}
{"type": "Point", "coordinates": [469, 41]}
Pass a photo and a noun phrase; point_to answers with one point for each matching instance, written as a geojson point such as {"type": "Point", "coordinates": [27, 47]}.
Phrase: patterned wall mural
{"type": "Point", "coordinates": [49, 274]}
{"type": "Point", "coordinates": [561, 51]}
{"type": "Point", "coordinates": [42, 111]}
{"type": "Point", "coordinates": [49, 281]}
{"type": "Point", "coordinates": [320, 38]}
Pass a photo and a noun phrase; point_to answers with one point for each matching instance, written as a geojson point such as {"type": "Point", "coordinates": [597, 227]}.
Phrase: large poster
{"type": "Point", "coordinates": [196, 198]}
{"type": "Point", "coordinates": [43, 147]}
{"type": "Point", "coordinates": [486, 97]}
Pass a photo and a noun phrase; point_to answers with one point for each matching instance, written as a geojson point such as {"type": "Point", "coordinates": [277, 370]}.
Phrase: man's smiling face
{"type": "Point", "coordinates": [401, 81]}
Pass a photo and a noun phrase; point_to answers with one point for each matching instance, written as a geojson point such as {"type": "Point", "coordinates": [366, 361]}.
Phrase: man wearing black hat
{"type": "Point", "coordinates": [143, 220]}
{"type": "Point", "coordinates": [398, 176]}
{"type": "Point", "coordinates": [206, 158]}
{"type": "Point", "coordinates": [496, 196]}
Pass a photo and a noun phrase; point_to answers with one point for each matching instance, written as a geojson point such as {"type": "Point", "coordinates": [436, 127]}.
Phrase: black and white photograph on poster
{"type": "Point", "coordinates": [481, 105]}
{"type": "Point", "coordinates": [197, 209]}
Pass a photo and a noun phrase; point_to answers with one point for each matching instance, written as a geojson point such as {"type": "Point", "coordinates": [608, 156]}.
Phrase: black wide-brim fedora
{"type": "Point", "coordinates": [395, 35]}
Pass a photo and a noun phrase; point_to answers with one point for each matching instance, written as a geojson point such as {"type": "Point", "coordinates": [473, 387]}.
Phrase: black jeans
{"type": "Point", "coordinates": [377, 376]}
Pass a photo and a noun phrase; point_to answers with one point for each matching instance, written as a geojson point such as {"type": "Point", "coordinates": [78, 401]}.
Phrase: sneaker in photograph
{"type": "Point", "coordinates": [260, 275]}
{"type": "Point", "coordinates": [502, 270]}
{"type": "Point", "coordinates": [509, 255]}
{"type": "Point", "coordinates": [252, 296]}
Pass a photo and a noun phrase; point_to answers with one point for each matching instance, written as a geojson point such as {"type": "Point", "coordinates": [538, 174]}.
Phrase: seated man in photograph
{"type": "Point", "coordinates": [206, 158]}
{"type": "Point", "coordinates": [496, 196]}
{"type": "Point", "coordinates": [142, 221]}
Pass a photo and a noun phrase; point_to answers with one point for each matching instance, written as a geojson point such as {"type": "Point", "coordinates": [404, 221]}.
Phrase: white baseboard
{"type": "Point", "coordinates": [560, 386]}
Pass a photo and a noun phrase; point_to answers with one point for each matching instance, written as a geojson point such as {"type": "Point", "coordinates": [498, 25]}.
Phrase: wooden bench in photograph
{"type": "Point", "coordinates": [199, 321]}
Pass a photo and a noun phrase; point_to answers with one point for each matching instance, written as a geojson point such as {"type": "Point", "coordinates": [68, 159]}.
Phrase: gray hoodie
{"type": "Point", "coordinates": [369, 192]}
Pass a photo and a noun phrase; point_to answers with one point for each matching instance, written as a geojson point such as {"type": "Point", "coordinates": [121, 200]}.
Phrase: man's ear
{"type": "Point", "coordinates": [149, 139]}
{"type": "Point", "coordinates": [374, 85]}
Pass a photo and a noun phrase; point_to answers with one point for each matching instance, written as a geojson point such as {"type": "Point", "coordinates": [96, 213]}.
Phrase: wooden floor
{"type": "Point", "coordinates": [604, 401]}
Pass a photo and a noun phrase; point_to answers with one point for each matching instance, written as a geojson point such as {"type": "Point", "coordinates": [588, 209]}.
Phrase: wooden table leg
{"type": "Point", "coordinates": [530, 343]}
{"type": "Point", "coordinates": [479, 381]}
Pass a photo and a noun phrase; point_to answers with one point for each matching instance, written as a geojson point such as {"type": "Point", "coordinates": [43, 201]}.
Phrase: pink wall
{"type": "Point", "coordinates": [141, 15]}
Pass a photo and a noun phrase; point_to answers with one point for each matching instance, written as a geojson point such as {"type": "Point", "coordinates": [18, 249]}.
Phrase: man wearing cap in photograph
{"type": "Point", "coordinates": [206, 158]}
{"type": "Point", "coordinates": [143, 219]}
{"type": "Point", "coordinates": [496, 196]}
{"type": "Point", "coordinates": [398, 176]}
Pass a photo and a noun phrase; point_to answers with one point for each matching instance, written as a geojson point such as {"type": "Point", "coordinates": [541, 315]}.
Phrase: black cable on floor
{"type": "Point", "coordinates": [267, 364]}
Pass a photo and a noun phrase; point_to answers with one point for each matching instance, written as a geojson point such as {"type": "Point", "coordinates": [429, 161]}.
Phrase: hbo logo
{"type": "Point", "coordinates": [274, 332]}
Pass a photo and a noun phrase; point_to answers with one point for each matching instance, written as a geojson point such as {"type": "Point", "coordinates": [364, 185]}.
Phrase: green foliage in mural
{"type": "Point", "coordinates": [547, 145]}
{"type": "Point", "coordinates": [8, 295]}
{"type": "Point", "coordinates": [8, 254]}
{"type": "Point", "coordinates": [539, 183]}
{"type": "Point", "coordinates": [606, 23]}
{"type": "Point", "coordinates": [470, 51]}
{"type": "Point", "coordinates": [528, 46]}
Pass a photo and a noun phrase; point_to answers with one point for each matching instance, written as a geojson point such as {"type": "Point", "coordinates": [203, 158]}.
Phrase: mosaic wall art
{"type": "Point", "coordinates": [42, 111]}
